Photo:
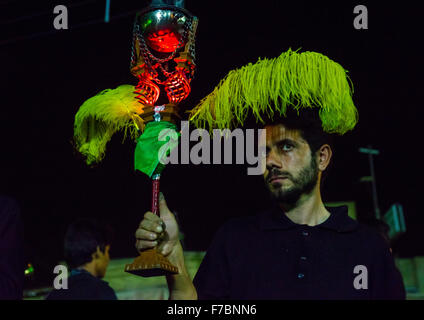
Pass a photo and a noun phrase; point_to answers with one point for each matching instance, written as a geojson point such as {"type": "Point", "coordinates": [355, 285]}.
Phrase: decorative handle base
{"type": "Point", "coordinates": [151, 263]}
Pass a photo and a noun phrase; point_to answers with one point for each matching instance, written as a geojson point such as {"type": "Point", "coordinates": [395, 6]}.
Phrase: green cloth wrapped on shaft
{"type": "Point", "coordinates": [154, 145]}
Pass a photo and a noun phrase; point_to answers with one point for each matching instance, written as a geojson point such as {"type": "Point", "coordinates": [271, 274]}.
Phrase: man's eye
{"type": "Point", "coordinates": [286, 147]}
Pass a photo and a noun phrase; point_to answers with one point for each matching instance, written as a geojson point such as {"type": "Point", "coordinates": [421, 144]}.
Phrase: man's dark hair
{"type": "Point", "coordinates": [81, 241]}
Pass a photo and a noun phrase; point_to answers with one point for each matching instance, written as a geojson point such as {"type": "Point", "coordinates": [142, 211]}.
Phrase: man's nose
{"type": "Point", "coordinates": [273, 160]}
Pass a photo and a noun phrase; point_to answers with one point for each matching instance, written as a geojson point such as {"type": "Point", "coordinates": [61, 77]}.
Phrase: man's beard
{"type": "Point", "coordinates": [304, 183]}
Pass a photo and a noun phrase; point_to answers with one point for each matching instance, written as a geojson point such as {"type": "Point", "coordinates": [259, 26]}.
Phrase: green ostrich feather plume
{"type": "Point", "coordinates": [268, 87]}
{"type": "Point", "coordinates": [101, 116]}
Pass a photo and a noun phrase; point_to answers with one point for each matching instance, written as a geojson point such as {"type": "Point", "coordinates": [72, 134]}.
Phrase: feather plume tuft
{"type": "Point", "coordinates": [103, 115]}
{"type": "Point", "coordinates": [270, 86]}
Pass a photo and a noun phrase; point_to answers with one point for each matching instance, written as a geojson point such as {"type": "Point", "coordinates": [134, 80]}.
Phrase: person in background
{"type": "Point", "coordinates": [11, 250]}
{"type": "Point", "coordinates": [87, 255]}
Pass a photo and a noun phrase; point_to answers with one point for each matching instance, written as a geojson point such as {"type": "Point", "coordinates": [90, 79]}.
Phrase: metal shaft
{"type": "Point", "coordinates": [155, 193]}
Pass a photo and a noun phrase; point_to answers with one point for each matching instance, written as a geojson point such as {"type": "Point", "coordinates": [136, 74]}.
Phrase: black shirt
{"type": "Point", "coordinates": [83, 286]}
{"type": "Point", "coordinates": [268, 256]}
{"type": "Point", "coordinates": [12, 266]}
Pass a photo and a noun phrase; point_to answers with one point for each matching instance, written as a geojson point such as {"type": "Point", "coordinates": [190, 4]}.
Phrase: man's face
{"type": "Point", "coordinates": [290, 170]}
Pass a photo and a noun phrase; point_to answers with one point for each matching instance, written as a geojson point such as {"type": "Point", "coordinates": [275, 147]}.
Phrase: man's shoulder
{"type": "Point", "coordinates": [84, 287]}
{"type": "Point", "coordinates": [371, 235]}
{"type": "Point", "coordinates": [370, 242]}
{"type": "Point", "coordinates": [89, 280]}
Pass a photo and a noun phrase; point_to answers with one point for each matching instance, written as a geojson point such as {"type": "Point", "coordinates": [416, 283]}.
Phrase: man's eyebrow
{"type": "Point", "coordinates": [287, 141]}
{"type": "Point", "coordinates": [283, 142]}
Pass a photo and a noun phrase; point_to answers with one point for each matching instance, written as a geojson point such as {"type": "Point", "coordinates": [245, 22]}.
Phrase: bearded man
{"type": "Point", "coordinates": [299, 249]}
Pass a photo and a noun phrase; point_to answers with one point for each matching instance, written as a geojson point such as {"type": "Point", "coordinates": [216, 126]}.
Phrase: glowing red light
{"type": "Point", "coordinates": [163, 41]}
{"type": "Point", "coordinates": [177, 87]}
{"type": "Point", "coordinates": [147, 92]}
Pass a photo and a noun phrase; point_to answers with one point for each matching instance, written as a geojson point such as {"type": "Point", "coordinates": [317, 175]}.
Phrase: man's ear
{"type": "Point", "coordinates": [95, 255]}
{"type": "Point", "coordinates": [324, 156]}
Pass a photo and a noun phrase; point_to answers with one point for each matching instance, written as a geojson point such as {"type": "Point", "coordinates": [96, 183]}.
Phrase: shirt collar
{"type": "Point", "coordinates": [338, 221]}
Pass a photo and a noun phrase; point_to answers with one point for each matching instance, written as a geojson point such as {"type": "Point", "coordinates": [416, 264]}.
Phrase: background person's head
{"type": "Point", "coordinates": [87, 246]}
{"type": "Point", "coordinates": [298, 152]}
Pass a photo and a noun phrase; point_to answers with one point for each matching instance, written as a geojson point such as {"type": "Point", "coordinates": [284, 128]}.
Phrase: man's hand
{"type": "Point", "coordinates": [161, 232]}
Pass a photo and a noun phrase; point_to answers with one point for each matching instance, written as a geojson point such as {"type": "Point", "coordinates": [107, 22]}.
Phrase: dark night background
{"type": "Point", "coordinates": [47, 74]}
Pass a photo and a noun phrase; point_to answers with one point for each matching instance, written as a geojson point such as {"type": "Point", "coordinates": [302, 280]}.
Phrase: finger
{"type": "Point", "coordinates": [142, 234]}
{"type": "Point", "coordinates": [165, 248]}
{"type": "Point", "coordinates": [161, 237]}
{"type": "Point", "coordinates": [151, 226]}
{"type": "Point", "coordinates": [143, 244]}
{"type": "Point", "coordinates": [154, 218]}
{"type": "Point", "coordinates": [163, 207]}
{"type": "Point", "coordinates": [151, 216]}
